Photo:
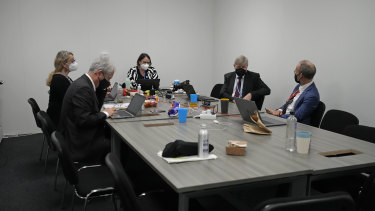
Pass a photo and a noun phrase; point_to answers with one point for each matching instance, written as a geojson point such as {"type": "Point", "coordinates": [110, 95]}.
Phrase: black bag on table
{"type": "Point", "coordinates": [180, 148]}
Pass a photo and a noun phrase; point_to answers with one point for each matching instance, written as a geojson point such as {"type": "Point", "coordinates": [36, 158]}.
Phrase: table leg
{"type": "Point", "coordinates": [115, 144]}
{"type": "Point", "coordinates": [183, 202]}
{"type": "Point", "coordinates": [299, 186]}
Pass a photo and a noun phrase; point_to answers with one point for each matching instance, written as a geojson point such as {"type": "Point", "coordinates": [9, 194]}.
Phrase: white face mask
{"type": "Point", "coordinates": [73, 66]}
{"type": "Point", "coordinates": [145, 66]}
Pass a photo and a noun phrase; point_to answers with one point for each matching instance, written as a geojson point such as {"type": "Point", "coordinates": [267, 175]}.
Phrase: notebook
{"type": "Point", "coordinates": [190, 90]}
{"type": "Point", "coordinates": [247, 108]}
{"type": "Point", "coordinates": [112, 95]}
{"type": "Point", "coordinates": [134, 107]}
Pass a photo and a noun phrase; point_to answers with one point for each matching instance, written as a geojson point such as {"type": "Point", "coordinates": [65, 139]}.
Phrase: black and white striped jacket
{"type": "Point", "coordinates": [133, 75]}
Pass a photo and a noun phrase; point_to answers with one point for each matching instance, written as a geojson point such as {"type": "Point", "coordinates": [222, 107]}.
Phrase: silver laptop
{"type": "Point", "coordinates": [247, 108]}
{"type": "Point", "coordinates": [134, 107]}
{"type": "Point", "coordinates": [112, 95]}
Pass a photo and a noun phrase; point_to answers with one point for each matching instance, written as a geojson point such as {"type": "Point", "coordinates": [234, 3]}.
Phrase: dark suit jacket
{"type": "Point", "coordinates": [81, 122]}
{"type": "Point", "coordinates": [306, 104]}
{"type": "Point", "coordinates": [252, 84]}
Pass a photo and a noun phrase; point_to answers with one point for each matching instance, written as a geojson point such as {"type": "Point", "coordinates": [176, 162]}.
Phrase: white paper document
{"type": "Point", "coordinates": [185, 158]}
{"type": "Point", "coordinates": [117, 105]}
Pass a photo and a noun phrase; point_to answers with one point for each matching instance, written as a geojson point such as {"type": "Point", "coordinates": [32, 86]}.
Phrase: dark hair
{"type": "Point", "coordinates": [142, 56]}
{"type": "Point", "coordinates": [307, 69]}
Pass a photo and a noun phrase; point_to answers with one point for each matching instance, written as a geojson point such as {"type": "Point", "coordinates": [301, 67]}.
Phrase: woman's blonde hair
{"type": "Point", "coordinates": [61, 58]}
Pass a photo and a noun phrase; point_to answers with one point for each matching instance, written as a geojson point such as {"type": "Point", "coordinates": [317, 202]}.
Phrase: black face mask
{"type": "Point", "coordinates": [295, 79]}
{"type": "Point", "coordinates": [240, 72]}
{"type": "Point", "coordinates": [103, 84]}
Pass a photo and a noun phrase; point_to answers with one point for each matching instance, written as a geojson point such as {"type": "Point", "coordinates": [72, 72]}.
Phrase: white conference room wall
{"type": "Point", "coordinates": [336, 35]}
{"type": "Point", "coordinates": [177, 34]}
{"type": "Point", "coordinates": [196, 40]}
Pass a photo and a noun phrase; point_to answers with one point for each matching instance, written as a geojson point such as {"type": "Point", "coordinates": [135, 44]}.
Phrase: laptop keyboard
{"type": "Point", "coordinates": [122, 113]}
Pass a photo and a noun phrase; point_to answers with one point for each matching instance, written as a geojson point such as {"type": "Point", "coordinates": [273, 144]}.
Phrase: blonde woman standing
{"type": "Point", "coordinates": [59, 81]}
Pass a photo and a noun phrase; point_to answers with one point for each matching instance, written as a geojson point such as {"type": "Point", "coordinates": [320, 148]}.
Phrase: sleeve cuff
{"type": "Point", "coordinates": [106, 113]}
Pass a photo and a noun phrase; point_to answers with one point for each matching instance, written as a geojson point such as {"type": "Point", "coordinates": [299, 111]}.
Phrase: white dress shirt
{"type": "Point", "coordinates": [235, 86]}
{"type": "Point", "coordinates": [92, 82]}
{"type": "Point", "coordinates": [301, 89]}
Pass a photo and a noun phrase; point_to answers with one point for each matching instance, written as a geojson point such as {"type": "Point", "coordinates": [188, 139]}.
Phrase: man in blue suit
{"type": "Point", "coordinates": [305, 96]}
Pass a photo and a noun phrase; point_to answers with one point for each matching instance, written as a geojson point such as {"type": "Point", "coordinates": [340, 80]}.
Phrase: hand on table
{"type": "Point", "coordinates": [247, 97]}
{"type": "Point", "coordinates": [110, 111]}
{"type": "Point", "coordinates": [274, 112]}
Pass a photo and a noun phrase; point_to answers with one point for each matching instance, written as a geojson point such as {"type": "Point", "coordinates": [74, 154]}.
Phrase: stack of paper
{"type": "Point", "coordinates": [186, 158]}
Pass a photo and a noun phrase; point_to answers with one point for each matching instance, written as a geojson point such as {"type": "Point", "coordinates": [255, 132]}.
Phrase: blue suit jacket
{"type": "Point", "coordinates": [306, 104]}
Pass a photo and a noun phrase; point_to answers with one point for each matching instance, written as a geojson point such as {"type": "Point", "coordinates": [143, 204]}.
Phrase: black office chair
{"type": "Point", "coordinates": [216, 91]}
{"type": "Point", "coordinates": [361, 132]}
{"type": "Point", "coordinates": [366, 199]}
{"type": "Point", "coordinates": [317, 115]}
{"type": "Point", "coordinates": [336, 201]}
{"type": "Point", "coordinates": [48, 127]}
{"type": "Point", "coordinates": [35, 109]}
{"type": "Point", "coordinates": [350, 183]}
{"type": "Point", "coordinates": [336, 120]}
{"type": "Point", "coordinates": [88, 181]}
{"type": "Point", "coordinates": [124, 188]}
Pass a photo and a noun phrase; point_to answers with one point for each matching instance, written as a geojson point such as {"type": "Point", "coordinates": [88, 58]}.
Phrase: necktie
{"type": "Point", "coordinates": [290, 100]}
{"type": "Point", "coordinates": [238, 87]}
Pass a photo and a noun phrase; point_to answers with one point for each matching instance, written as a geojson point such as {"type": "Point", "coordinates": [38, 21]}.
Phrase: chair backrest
{"type": "Point", "coordinates": [216, 91]}
{"type": "Point", "coordinates": [123, 184]}
{"type": "Point", "coordinates": [361, 132]}
{"type": "Point", "coordinates": [35, 108]}
{"type": "Point", "coordinates": [336, 201]}
{"type": "Point", "coordinates": [47, 127]}
{"type": "Point", "coordinates": [317, 115]}
{"type": "Point", "coordinates": [68, 168]}
{"type": "Point", "coordinates": [366, 198]}
{"type": "Point", "coordinates": [337, 120]}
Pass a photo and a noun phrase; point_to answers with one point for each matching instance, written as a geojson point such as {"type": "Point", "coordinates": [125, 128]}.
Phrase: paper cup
{"type": "Point", "coordinates": [303, 139]}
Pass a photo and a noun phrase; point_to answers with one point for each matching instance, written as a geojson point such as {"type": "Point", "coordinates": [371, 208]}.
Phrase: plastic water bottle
{"type": "Point", "coordinates": [291, 128]}
{"type": "Point", "coordinates": [203, 145]}
{"type": "Point", "coordinates": [127, 83]}
{"type": "Point", "coordinates": [119, 91]}
{"type": "Point", "coordinates": [139, 89]}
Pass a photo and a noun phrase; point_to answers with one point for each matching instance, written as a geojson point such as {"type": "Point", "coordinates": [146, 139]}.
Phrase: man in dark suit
{"type": "Point", "coordinates": [244, 83]}
{"type": "Point", "coordinates": [305, 96]}
{"type": "Point", "coordinates": [82, 122]}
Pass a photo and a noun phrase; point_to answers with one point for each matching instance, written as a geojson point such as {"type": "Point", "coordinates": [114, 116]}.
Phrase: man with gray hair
{"type": "Point", "coordinates": [82, 122]}
{"type": "Point", "coordinates": [244, 84]}
{"type": "Point", "coordinates": [305, 96]}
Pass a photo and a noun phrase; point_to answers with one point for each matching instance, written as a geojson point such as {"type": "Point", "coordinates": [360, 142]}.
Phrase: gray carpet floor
{"type": "Point", "coordinates": [25, 186]}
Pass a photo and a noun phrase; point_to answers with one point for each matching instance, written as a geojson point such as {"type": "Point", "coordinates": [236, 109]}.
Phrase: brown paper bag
{"type": "Point", "coordinates": [259, 128]}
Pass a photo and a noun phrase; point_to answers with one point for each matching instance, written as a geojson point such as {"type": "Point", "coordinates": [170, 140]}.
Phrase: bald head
{"type": "Point", "coordinates": [307, 69]}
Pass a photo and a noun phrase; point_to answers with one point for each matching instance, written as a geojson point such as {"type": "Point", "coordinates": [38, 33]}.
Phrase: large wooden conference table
{"type": "Point", "coordinates": [266, 162]}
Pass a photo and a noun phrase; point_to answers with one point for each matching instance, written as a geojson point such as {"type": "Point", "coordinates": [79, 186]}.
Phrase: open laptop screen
{"type": "Point", "coordinates": [148, 84]}
{"type": "Point", "coordinates": [112, 95]}
{"type": "Point", "coordinates": [247, 108]}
